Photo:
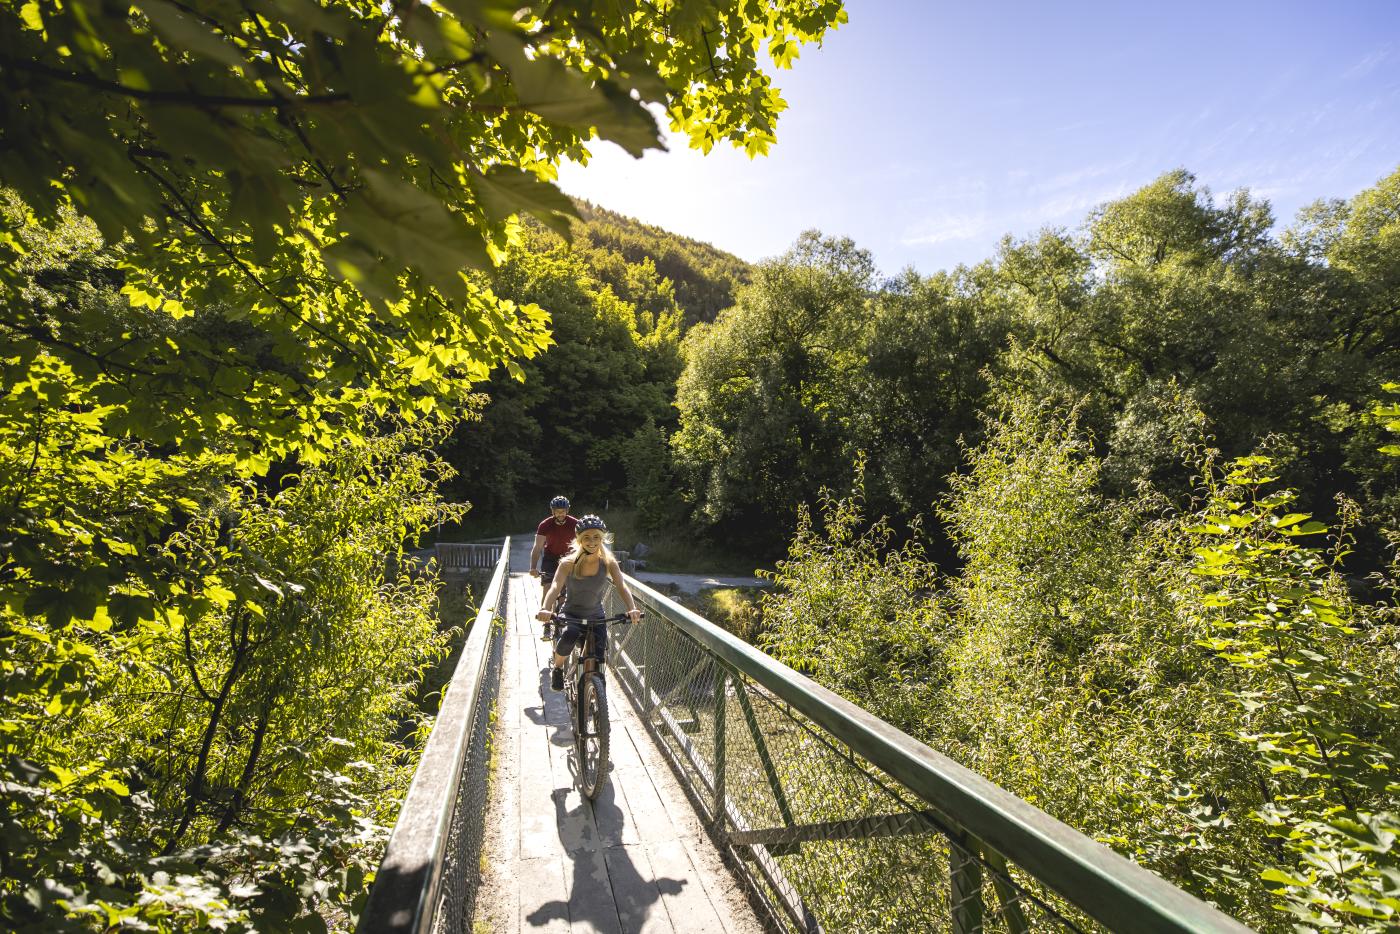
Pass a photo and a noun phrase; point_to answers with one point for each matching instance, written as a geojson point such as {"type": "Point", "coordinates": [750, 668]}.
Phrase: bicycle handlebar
{"type": "Point", "coordinates": [620, 618]}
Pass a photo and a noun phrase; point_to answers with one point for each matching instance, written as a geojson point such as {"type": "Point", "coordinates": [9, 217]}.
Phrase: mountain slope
{"type": "Point", "coordinates": [703, 278]}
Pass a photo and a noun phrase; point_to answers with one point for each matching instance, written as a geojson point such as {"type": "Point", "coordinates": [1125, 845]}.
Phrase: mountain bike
{"type": "Point", "coordinates": [586, 692]}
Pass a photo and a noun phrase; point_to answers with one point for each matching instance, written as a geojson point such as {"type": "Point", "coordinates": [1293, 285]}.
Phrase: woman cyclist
{"type": "Point", "coordinates": [583, 575]}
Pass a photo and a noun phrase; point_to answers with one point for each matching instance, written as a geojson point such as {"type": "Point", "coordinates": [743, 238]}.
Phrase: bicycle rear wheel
{"type": "Point", "coordinates": [593, 735]}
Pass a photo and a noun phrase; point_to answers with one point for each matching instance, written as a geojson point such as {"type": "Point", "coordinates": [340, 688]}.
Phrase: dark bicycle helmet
{"type": "Point", "coordinates": [559, 502]}
{"type": "Point", "coordinates": [590, 521]}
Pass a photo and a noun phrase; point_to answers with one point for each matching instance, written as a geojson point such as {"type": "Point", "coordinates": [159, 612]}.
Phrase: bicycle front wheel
{"type": "Point", "coordinates": [593, 735]}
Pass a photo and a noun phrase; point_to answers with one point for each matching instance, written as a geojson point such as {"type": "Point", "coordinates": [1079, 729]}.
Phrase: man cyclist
{"type": "Point", "coordinates": [553, 539]}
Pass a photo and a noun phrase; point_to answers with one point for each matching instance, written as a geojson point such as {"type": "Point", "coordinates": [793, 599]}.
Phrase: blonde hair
{"type": "Point", "coordinates": [576, 549]}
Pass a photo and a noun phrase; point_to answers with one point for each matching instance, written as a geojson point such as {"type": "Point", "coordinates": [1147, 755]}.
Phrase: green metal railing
{"type": "Point", "coordinates": [839, 822]}
{"type": "Point", "coordinates": [431, 871]}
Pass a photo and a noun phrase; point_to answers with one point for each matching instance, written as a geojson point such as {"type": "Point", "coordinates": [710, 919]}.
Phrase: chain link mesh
{"type": "Point", "coordinates": [826, 841]}
{"type": "Point", "coordinates": [462, 869]}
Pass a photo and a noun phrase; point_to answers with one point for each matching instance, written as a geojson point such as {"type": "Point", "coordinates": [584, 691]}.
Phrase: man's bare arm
{"type": "Point", "coordinates": [535, 555]}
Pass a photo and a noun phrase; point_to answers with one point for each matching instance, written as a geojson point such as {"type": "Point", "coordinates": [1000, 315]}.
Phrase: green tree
{"type": "Point", "coordinates": [1159, 291]}
{"type": "Point", "coordinates": [1173, 292]}
{"type": "Point", "coordinates": [217, 736]}
{"type": "Point", "coordinates": [1197, 689]}
{"type": "Point", "coordinates": [926, 352]}
{"type": "Point", "coordinates": [564, 426]}
{"type": "Point", "coordinates": [652, 486]}
{"type": "Point", "coordinates": [764, 400]}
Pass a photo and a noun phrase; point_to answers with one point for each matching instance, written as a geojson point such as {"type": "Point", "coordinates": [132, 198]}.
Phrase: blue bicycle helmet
{"type": "Point", "coordinates": [559, 502]}
{"type": "Point", "coordinates": [588, 522]}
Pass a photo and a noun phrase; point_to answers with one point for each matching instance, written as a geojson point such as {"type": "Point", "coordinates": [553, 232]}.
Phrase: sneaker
{"type": "Point", "coordinates": [547, 633]}
{"type": "Point", "coordinates": [556, 678]}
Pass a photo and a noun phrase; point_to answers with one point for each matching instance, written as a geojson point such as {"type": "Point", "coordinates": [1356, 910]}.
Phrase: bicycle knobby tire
{"type": "Point", "coordinates": [593, 733]}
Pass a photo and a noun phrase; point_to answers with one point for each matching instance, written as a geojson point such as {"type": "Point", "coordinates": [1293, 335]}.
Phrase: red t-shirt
{"type": "Point", "coordinates": [558, 537]}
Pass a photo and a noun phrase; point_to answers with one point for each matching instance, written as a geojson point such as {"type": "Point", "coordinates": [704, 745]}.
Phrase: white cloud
{"type": "Point", "coordinates": [1071, 206]}
{"type": "Point", "coordinates": [948, 229]}
{"type": "Point", "coordinates": [1079, 176]}
{"type": "Point", "coordinates": [1368, 64]}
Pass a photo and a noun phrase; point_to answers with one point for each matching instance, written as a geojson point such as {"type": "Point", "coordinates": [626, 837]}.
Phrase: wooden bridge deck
{"type": "Point", "coordinates": [635, 860]}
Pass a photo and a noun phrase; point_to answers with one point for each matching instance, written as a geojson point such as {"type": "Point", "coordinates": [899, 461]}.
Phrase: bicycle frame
{"type": "Point", "coordinates": [582, 650]}
{"type": "Point", "coordinates": [581, 665]}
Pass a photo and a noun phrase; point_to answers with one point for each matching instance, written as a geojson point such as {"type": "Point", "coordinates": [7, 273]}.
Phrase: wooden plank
{"type": "Point", "coordinates": [575, 828]}
{"type": "Point", "coordinates": [543, 896]}
{"type": "Point", "coordinates": [650, 819]}
{"type": "Point", "coordinates": [591, 905]}
{"type": "Point", "coordinates": [539, 829]}
{"type": "Point", "coordinates": [683, 818]}
{"type": "Point", "coordinates": [637, 892]}
{"type": "Point", "coordinates": [725, 892]}
{"type": "Point", "coordinates": [670, 861]}
{"type": "Point", "coordinates": [613, 816]}
{"type": "Point", "coordinates": [505, 783]}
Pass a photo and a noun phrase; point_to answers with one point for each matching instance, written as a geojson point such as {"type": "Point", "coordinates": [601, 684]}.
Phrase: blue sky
{"type": "Point", "coordinates": [928, 130]}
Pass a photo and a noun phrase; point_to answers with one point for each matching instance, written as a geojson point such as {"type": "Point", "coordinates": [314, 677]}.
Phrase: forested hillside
{"type": "Point", "coordinates": [705, 279]}
{"type": "Point", "coordinates": [600, 402]}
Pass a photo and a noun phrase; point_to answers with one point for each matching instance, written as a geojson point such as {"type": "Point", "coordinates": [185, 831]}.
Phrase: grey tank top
{"type": "Point", "coordinates": [583, 596]}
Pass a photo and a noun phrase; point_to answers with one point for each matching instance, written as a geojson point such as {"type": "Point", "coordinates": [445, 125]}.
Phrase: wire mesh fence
{"type": "Point", "coordinates": [462, 857]}
{"type": "Point", "coordinates": [431, 871]}
{"type": "Point", "coordinates": [828, 840]}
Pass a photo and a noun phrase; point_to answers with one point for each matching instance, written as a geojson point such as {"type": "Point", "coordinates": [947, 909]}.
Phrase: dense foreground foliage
{"type": "Point", "coordinates": [1199, 689]}
{"type": "Point", "coordinates": [248, 267]}
{"type": "Point", "coordinates": [212, 744]}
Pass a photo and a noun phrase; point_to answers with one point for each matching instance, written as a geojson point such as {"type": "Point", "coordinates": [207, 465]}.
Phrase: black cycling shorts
{"type": "Point", "coordinates": [548, 565]}
{"type": "Point", "coordinates": [574, 631]}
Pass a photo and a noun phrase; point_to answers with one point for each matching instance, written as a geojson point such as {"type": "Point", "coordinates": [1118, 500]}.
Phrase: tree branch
{"type": "Point", "coordinates": [192, 98]}
{"type": "Point", "coordinates": [190, 218]}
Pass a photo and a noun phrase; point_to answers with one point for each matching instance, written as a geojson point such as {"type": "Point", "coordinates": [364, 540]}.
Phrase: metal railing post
{"type": "Point", "coordinates": [720, 704]}
{"type": "Point", "coordinates": [646, 671]}
{"type": "Point", "coordinates": [964, 889]}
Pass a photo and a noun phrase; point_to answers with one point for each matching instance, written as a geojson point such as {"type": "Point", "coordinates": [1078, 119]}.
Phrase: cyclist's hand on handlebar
{"type": "Point", "coordinates": [544, 616]}
{"type": "Point", "coordinates": [634, 616]}
{"type": "Point", "coordinates": [534, 572]}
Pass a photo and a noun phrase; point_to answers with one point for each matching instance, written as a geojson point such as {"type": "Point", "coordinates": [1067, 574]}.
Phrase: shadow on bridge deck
{"type": "Point", "coordinates": [635, 860]}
